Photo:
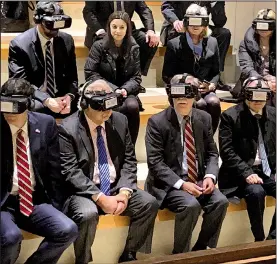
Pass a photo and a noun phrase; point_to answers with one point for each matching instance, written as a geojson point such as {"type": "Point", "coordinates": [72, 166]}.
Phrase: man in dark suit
{"type": "Point", "coordinates": [96, 15]}
{"type": "Point", "coordinates": [177, 140]}
{"type": "Point", "coordinates": [99, 165]}
{"type": "Point", "coordinates": [46, 58]}
{"type": "Point", "coordinates": [247, 143]}
{"type": "Point", "coordinates": [30, 179]}
{"type": "Point", "coordinates": [174, 11]}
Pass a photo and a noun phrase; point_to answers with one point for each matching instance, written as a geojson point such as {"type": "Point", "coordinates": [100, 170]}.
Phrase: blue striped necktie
{"type": "Point", "coordinates": [103, 166]}
{"type": "Point", "coordinates": [262, 153]}
{"type": "Point", "coordinates": [50, 83]}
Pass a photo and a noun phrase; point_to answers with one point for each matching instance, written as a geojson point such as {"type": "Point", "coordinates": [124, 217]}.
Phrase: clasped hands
{"type": "Point", "coordinates": [59, 104]}
{"type": "Point", "coordinates": [196, 190]}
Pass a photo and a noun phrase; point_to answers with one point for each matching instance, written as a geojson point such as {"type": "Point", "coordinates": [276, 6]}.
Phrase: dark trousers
{"type": "Point", "coordinates": [46, 221]}
{"type": "Point", "coordinates": [130, 109]}
{"type": "Point", "coordinates": [146, 53]}
{"type": "Point", "coordinates": [142, 210]}
{"type": "Point", "coordinates": [223, 36]}
{"type": "Point", "coordinates": [211, 104]}
{"type": "Point", "coordinates": [254, 195]}
{"type": "Point", "coordinates": [187, 209]}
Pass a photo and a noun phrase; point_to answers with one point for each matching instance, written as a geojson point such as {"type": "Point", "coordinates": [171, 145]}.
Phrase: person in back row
{"type": "Point", "coordinates": [115, 59]}
{"type": "Point", "coordinates": [195, 52]}
{"type": "Point", "coordinates": [174, 11]}
{"type": "Point", "coordinates": [96, 15]}
{"type": "Point", "coordinates": [247, 144]}
{"type": "Point", "coordinates": [45, 57]}
{"type": "Point", "coordinates": [257, 52]}
{"type": "Point", "coordinates": [100, 169]}
{"type": "Point", "coordinates": [31, 185]}
{"type": "Point", "coordinates": [183, 165]}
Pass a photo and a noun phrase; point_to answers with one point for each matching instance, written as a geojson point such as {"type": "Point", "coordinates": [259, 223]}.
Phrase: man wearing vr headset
{"type": "Point", "coordinates": [99, 164]}
{"type": "Point", "coordinates": [174, 12]}
{"type": "Point", "coordinates": [30, 179]}
{"type": "Point", "coordinates": [183, 165]}
{"type": "Point", "coordinates": [45, 57]}
{"type": "Point", "coordinates": [257, 52]}
{"type": "Point", "coordinates": [247, 143]}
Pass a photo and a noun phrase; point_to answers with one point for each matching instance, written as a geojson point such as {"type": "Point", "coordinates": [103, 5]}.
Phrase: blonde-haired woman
{"type": "Point", "coordinates": [195, 52]}
{"type": "Point", "coordinates": [257, 52]}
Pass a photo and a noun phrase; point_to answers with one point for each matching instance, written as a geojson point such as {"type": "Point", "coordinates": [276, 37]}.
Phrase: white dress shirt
{"type": "Point", "coordinates": [14, 131]}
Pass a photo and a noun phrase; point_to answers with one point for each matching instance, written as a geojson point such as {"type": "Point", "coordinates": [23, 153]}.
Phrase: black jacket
{"type": "Point", "coordinates": [96, 14]}
{"type": "Point", "coordinates": [45, 155]}
{"type": "Point", "coordinates": [250, 58]}
{"type": "Point", "coordinates": [238, 143]}
{"type": "Point", "coordinates": [78, 156]}
{"type": "Point", "coordinates": [26, 61]}
{"type": "Point", "coordinates": [101, 65]}
{"type": "Point", "coordinates": [179, 59]}
{"type": "Point", "coordinates": [175, 10]}
{"type": "Point", "coordinates": [165, 152]}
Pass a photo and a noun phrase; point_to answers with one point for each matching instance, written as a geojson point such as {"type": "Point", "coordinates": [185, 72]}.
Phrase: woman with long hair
{"type": "Point", "coordinates": [115, 59]}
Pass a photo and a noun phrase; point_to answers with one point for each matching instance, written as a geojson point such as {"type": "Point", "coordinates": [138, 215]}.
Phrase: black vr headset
{"type": "Point", "coordinates": [258, 93]}
{"type": "Point", "coordinates": [264, 25]}
{"type": "Point", "coordinates": [181, 90]}
{"type": "Point", "coordinates": [196, 20]}
{"type": "Point", "coordinates": [51, 15]}
{"type": "Point", "coordinates": [100, 100]}
{"type": "Point", "coordinates": [14, 104]}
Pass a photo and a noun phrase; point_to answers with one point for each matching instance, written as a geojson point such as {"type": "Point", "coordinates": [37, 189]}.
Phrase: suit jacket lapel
{"type": "Point", "coordinates": [36, 45]}
{"type": "Point", "coordinates": [112, 148]}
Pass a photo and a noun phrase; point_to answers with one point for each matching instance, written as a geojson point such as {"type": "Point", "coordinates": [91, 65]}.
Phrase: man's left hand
{"type": "Point", "coordinates": [67, 103]}
{"type": "Point", "coordinates": [122, 203]}
{"type": "Point", "coordinates": [208, 186]}
{"type": "Point", "coordinates": [152, 38]}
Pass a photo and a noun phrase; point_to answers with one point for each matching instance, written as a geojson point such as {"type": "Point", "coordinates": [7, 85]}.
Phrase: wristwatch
{"type": "Point", "coordinates": [127, 193]}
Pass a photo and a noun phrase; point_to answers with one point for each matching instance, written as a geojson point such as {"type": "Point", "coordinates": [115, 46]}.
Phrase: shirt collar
{"type": "Point", "coordinates": [180, 117]}
{"type": "Point", "coordinates": [259, 113]}
{"type": "Point", "coordinates": [15, 129]}
{"type": "Point", "coordinates": [92, 125]}
{"type": "Point", "coordinates": [43, 40]}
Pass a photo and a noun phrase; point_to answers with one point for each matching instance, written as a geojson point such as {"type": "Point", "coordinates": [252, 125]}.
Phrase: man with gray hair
{"type": "Point", "coordinates": [100, 170]}
{"type": "Point", "coordinates": [183, 165]}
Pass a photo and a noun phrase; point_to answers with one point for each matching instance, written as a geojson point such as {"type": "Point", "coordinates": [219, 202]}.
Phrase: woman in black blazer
{"type": "Point", "coordinates": [196, 53]}
{"type": "Point", "coordinates": [115, 59]}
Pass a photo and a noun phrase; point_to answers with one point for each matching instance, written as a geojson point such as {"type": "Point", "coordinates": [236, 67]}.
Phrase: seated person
{"type": "Point", "coordinates": [174, 11]}
{"type": "Point", "coordinates": [183, 165]}
{"type": "Point", "coordinates": [247, 144]}
{"type": "Point", "coordinates": [115, 59]}
{"type": "Point", "coordinates": [257, 52]}
{"type": "Point", "coordinates": [195, 52]}
{"type": "Point", "coordinates": [45, 57]}
{"type": "Point", "coordinates": [100, 169]}
{"type": "Point", "coordinates": [30, 179]}
{"type": "Point", "coordinates": [96, 15]}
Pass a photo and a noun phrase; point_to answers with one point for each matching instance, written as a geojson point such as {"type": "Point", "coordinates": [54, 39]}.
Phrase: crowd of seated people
{"type": "Point", "coordinates": [56, 180]}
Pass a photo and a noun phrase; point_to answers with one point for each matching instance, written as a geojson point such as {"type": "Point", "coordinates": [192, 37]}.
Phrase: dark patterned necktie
{"type": "Point", "coordinates": [50, 83]}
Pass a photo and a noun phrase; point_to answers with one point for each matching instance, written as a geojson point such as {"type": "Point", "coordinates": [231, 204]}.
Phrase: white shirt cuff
{"type": "Point", "coordinates": [213, 4]}
{"type": "Point", "coordinates": [210, 176]}
{"type": "Point", "coordinates": [100, 31]}
{"type": "Point", "coordinates": [127, 189]}
{"type": "Point", "coordinates": [178, 184]}
{"type": "Point", "coordinates": [95, 197]}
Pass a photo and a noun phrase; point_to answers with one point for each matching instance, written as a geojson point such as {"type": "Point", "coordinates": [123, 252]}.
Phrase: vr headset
{"type": "Point", "coordinates": [14, 104]}
{"type": "Point", "coordinates": [182, 90]}
{"type": "Point", "coordinates": [264, 25]}
{"type": "Point", "coordinates": [56, 22]}
{"type": "Point", "coordinates": [196, 20]}
{"type": "Point", "coordinates": [258, 93]}
{"type": "Point", "coordinates": [102, 101]}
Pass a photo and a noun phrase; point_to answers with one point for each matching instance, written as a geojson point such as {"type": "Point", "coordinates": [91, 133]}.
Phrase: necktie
{"type": "Point", "coordinates": [190, 147]}
{"type": "Point", "coordinates": [50, 84]}
{"type": "Point", "coordinates": [262, 153]}
{"type": "Point", "coordinates": [24, 176]}
{"type": "Point", "coordinates": [103, 166]}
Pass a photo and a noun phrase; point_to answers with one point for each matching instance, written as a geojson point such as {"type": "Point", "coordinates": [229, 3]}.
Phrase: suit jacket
{"type": "Point", "coordinates": [165, 152]}
{"type": "Point", "coordinates": [96, 14]}
{"type": "Point", "coordinates": [238, 143]}
{"type": "Point", "coordinates": [78, 158]}
{"type": "Point", "coordinates": [179, 59]}
{"type": "Point", "coordinates": [44, 149]}
{"type": "Point", "coordinates": [26, 61]}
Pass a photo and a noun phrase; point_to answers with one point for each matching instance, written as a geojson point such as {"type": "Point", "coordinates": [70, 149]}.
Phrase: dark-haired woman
{"type": "Point", "coordinates": [115, 59]}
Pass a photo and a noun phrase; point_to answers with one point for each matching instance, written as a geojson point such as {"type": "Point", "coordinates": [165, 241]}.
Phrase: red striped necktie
{"type": "Point", "coordinates": [24, 176]}
{"type": "Point", "coordinates": [190, 147]}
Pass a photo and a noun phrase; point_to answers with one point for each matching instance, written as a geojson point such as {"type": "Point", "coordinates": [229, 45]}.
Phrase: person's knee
{"type": "Point", "coordinates": [226, 33]}
{"type": "Point", "coordinates": [193, 207]}
{"type": "Point", "coordinates": [201, 104]}
{"type": "Point", "coordinates": [255, 191]}
{"type": "Point", "coordinates": [86, 215]}
{"type": "Point", "coordinates": [132, 105]}
{"type": "Point", "coordinates": [149, 203]}
{"type": "Point", "coordinates": [222, 202]}
{"type": "Point", "coordinates": [11, 238]}
{"type": "Point", "coordinates": [68, 231]}
{"type": "Point", "coordinates": [213, 101]}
